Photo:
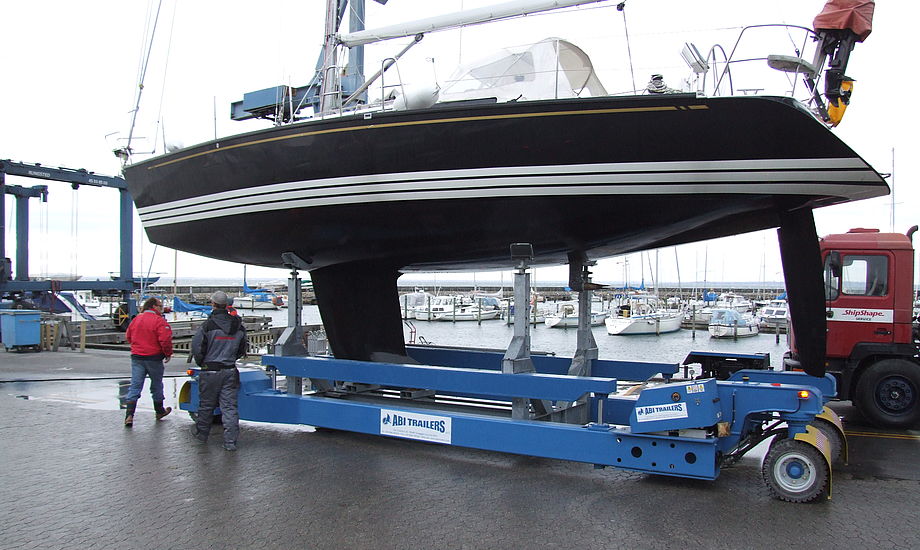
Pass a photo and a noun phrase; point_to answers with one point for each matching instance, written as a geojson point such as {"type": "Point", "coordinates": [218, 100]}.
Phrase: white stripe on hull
{"type": "Point", "coordinates": [784, 176]}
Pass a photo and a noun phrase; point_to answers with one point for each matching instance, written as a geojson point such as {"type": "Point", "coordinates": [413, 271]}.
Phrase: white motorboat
{"type": "Point", "coordinates": [254, 302]}
{"type": "Point", "coordinates": [467, 312]}
{"type": "Point", "coordinates": [433, 306]}
{"type": "Point", "coordinates": [731, 300]}
{"type": "Point", "coordinates": [566, 316]}
{"type": "Point", "coordinates": [537, 314]}
{"type": "Point", "coordinates": [411, 301]}
{"type": "Point", "coordinates": [459, 308]}
{"type": "Point", "coordinates": [640, 314]}
{"type": "Point", "coordinates": [773, 315]}
{"type": "Point", "coordinates": [728, 323]}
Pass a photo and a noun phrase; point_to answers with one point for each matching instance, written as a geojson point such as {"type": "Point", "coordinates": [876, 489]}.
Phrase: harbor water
{"type": "Point", "coordinates": [496, 334]}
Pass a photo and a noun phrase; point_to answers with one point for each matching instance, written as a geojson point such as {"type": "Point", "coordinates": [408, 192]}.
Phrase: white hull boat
{"type": "Point", "coordinates": [652, 323]}
{"type": "Point", "coordinates": [728, 323]}
{"type": "Point", "coordinates": [773, 315]}
{"type": "Point", "coordinates": [410, 302]}
{"type": "Point", "coordinates": [567, 317]}
{"type": "Point", "coordinates": [247, 302]}
{"type": "Point", "coordinates": [467, 314]}
{"type": "Point", "coordinates": [459, 308]}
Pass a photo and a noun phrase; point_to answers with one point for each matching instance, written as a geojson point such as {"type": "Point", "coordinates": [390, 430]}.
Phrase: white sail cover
{"type": "Point", "coordinates": [552, 68]}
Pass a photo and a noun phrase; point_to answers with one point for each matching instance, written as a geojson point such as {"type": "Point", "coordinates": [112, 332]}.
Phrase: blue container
{"type": "Point", "coordinates": [20, 328]}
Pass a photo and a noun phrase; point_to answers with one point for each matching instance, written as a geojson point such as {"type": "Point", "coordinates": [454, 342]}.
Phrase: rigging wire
{"type": "Point", "coordinates": [145, 279]}
{"type": "Point", "coordinates": [145, 56]}
{"type": "Point", "coordinates": [160, 124]}
{"type": "Point", "coordinates": [621, 7]}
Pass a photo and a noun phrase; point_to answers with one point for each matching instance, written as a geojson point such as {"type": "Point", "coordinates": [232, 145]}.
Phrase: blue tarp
{"type": "Point", "coordinates": [182, 307]}
{"type": "Point", "coordinates": [248, 290]}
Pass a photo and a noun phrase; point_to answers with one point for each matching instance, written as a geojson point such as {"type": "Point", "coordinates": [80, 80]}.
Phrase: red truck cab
{"type": "Point", "coordinates": [871, 343]}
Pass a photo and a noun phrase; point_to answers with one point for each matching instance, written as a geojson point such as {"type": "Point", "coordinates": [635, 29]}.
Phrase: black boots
{"type": "Point", "coordinates": [131, 406]}
{"type": "Point", "coordinates": [161, 412]}
{"type": "Point", "coordinates": [129, 413]}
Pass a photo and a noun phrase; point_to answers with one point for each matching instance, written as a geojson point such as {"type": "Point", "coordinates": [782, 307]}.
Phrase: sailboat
{"type": "Point", "coordinates": [575, 173]}
{"type": "Point", "coordinates": [256, 298]}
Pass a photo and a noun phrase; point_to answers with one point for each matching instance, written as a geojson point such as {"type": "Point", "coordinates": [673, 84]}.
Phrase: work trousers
{"type": "Point", "coordinates": [140, 369]}
{"type": "Point", "coordinates": [219, 387]}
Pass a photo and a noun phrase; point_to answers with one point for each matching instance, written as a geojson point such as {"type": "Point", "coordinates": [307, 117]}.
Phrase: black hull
{"type": "Point", "coordinates": [363, 197]}
{"type": "Point", "coordinates": [452, 187]}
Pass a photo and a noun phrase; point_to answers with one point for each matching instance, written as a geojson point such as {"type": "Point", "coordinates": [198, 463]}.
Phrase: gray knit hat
{"type": "Point", "coordinates": [219, 298]}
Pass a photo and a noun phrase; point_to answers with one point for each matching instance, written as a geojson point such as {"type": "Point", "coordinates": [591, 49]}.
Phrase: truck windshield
{"type": "Point", "coordinates": [865, 275]}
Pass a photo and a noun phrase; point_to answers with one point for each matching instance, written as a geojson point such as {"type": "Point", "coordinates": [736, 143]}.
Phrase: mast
{"type": "Point", "coordinates": [329, 88]}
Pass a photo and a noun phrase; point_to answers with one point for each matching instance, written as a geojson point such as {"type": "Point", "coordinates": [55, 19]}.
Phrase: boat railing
{"type": "Point", "coordinates": [795, 65]}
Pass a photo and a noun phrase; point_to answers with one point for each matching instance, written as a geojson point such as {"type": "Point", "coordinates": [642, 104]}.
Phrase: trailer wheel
{"type": "Point", "coordinates": [833, 437]}
{"type": "Point", "coordinates": [795, 471]}
{"type": "Point", "coordinates": [888, 393]}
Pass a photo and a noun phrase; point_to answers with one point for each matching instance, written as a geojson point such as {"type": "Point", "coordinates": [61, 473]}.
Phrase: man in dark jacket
{"type": "Point", "coordinates": [219, 342]}
{"type": "Point", "coordinates": [150, 337]}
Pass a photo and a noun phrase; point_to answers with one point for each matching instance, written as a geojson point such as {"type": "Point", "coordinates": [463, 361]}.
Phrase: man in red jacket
{"type": "Point", "coordinates": [151, 345]}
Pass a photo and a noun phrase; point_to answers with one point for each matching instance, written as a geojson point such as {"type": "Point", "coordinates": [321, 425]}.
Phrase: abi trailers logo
{"type": "Point", "coordinates": [661, 412]}
{"type": "Point", "coordinates": [423, 427]}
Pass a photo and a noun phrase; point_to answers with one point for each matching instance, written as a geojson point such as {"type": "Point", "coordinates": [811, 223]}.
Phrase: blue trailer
{"type": "Point", "coordinates": [565, 408]}
{"type": "Point", "coordinates": [689, 428]}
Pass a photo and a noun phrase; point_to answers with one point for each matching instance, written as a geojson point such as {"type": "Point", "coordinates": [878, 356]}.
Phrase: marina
{"type": "Point", "coordinates": [416, 406]}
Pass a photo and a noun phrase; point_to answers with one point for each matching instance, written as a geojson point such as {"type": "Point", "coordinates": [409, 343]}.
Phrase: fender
{"type": "Point", "coordinates": [185, 395]}
{"type": "Point", "coordinates": [834, 419]}
{"type": "Point", "coordinates": [816, 439]}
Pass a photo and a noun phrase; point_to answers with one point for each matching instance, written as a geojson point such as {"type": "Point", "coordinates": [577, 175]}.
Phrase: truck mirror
{"type": "Point", "coordinates": [834, 263]}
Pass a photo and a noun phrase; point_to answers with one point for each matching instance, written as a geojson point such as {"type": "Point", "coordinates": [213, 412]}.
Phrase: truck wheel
{"type": "Point", "coordinates": [888, 393]}
{"type": "Point", "coordinates": [795, 471]}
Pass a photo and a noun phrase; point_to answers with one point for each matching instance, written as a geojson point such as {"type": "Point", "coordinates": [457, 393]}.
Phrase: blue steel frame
{"type": "Point", "coordinates": [611, 438]}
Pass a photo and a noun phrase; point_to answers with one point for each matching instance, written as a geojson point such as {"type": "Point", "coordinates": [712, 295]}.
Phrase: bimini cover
{"type": "Point", "coordinates": [550, 69]}
{"type": "Point", "coordinates": [727, 317]}
{"type": "Point", "coordinates": [855, 15]}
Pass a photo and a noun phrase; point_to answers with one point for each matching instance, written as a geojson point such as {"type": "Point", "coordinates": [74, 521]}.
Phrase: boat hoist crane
{"type": "Point", "coordinates": [19, 283]}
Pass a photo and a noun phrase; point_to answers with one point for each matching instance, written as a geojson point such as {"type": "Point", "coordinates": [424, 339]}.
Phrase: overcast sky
{"type": "Point", "coordinates": [71, 71]}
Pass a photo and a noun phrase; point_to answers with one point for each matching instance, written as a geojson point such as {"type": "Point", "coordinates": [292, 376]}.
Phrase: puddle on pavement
{"type": "Point", "coordinates": [93, 394]}
{"type": "Point", "coordinates": [110, 395]}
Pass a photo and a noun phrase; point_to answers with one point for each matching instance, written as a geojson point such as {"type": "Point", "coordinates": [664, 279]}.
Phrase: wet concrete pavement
{"type": "Point", "coordinates": [73, 477]}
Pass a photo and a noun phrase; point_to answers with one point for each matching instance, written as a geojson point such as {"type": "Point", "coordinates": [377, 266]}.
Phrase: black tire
{"type": "Point", "coordinates": [833, 437]}
{"type": "Point", "coordinates": [888, 394]}
{"type": "Point", "coordinates": [795, 471]}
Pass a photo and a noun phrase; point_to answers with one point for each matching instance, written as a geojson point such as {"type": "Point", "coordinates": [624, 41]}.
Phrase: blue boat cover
{"type": "Point", "coordinates": [183, 307]}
